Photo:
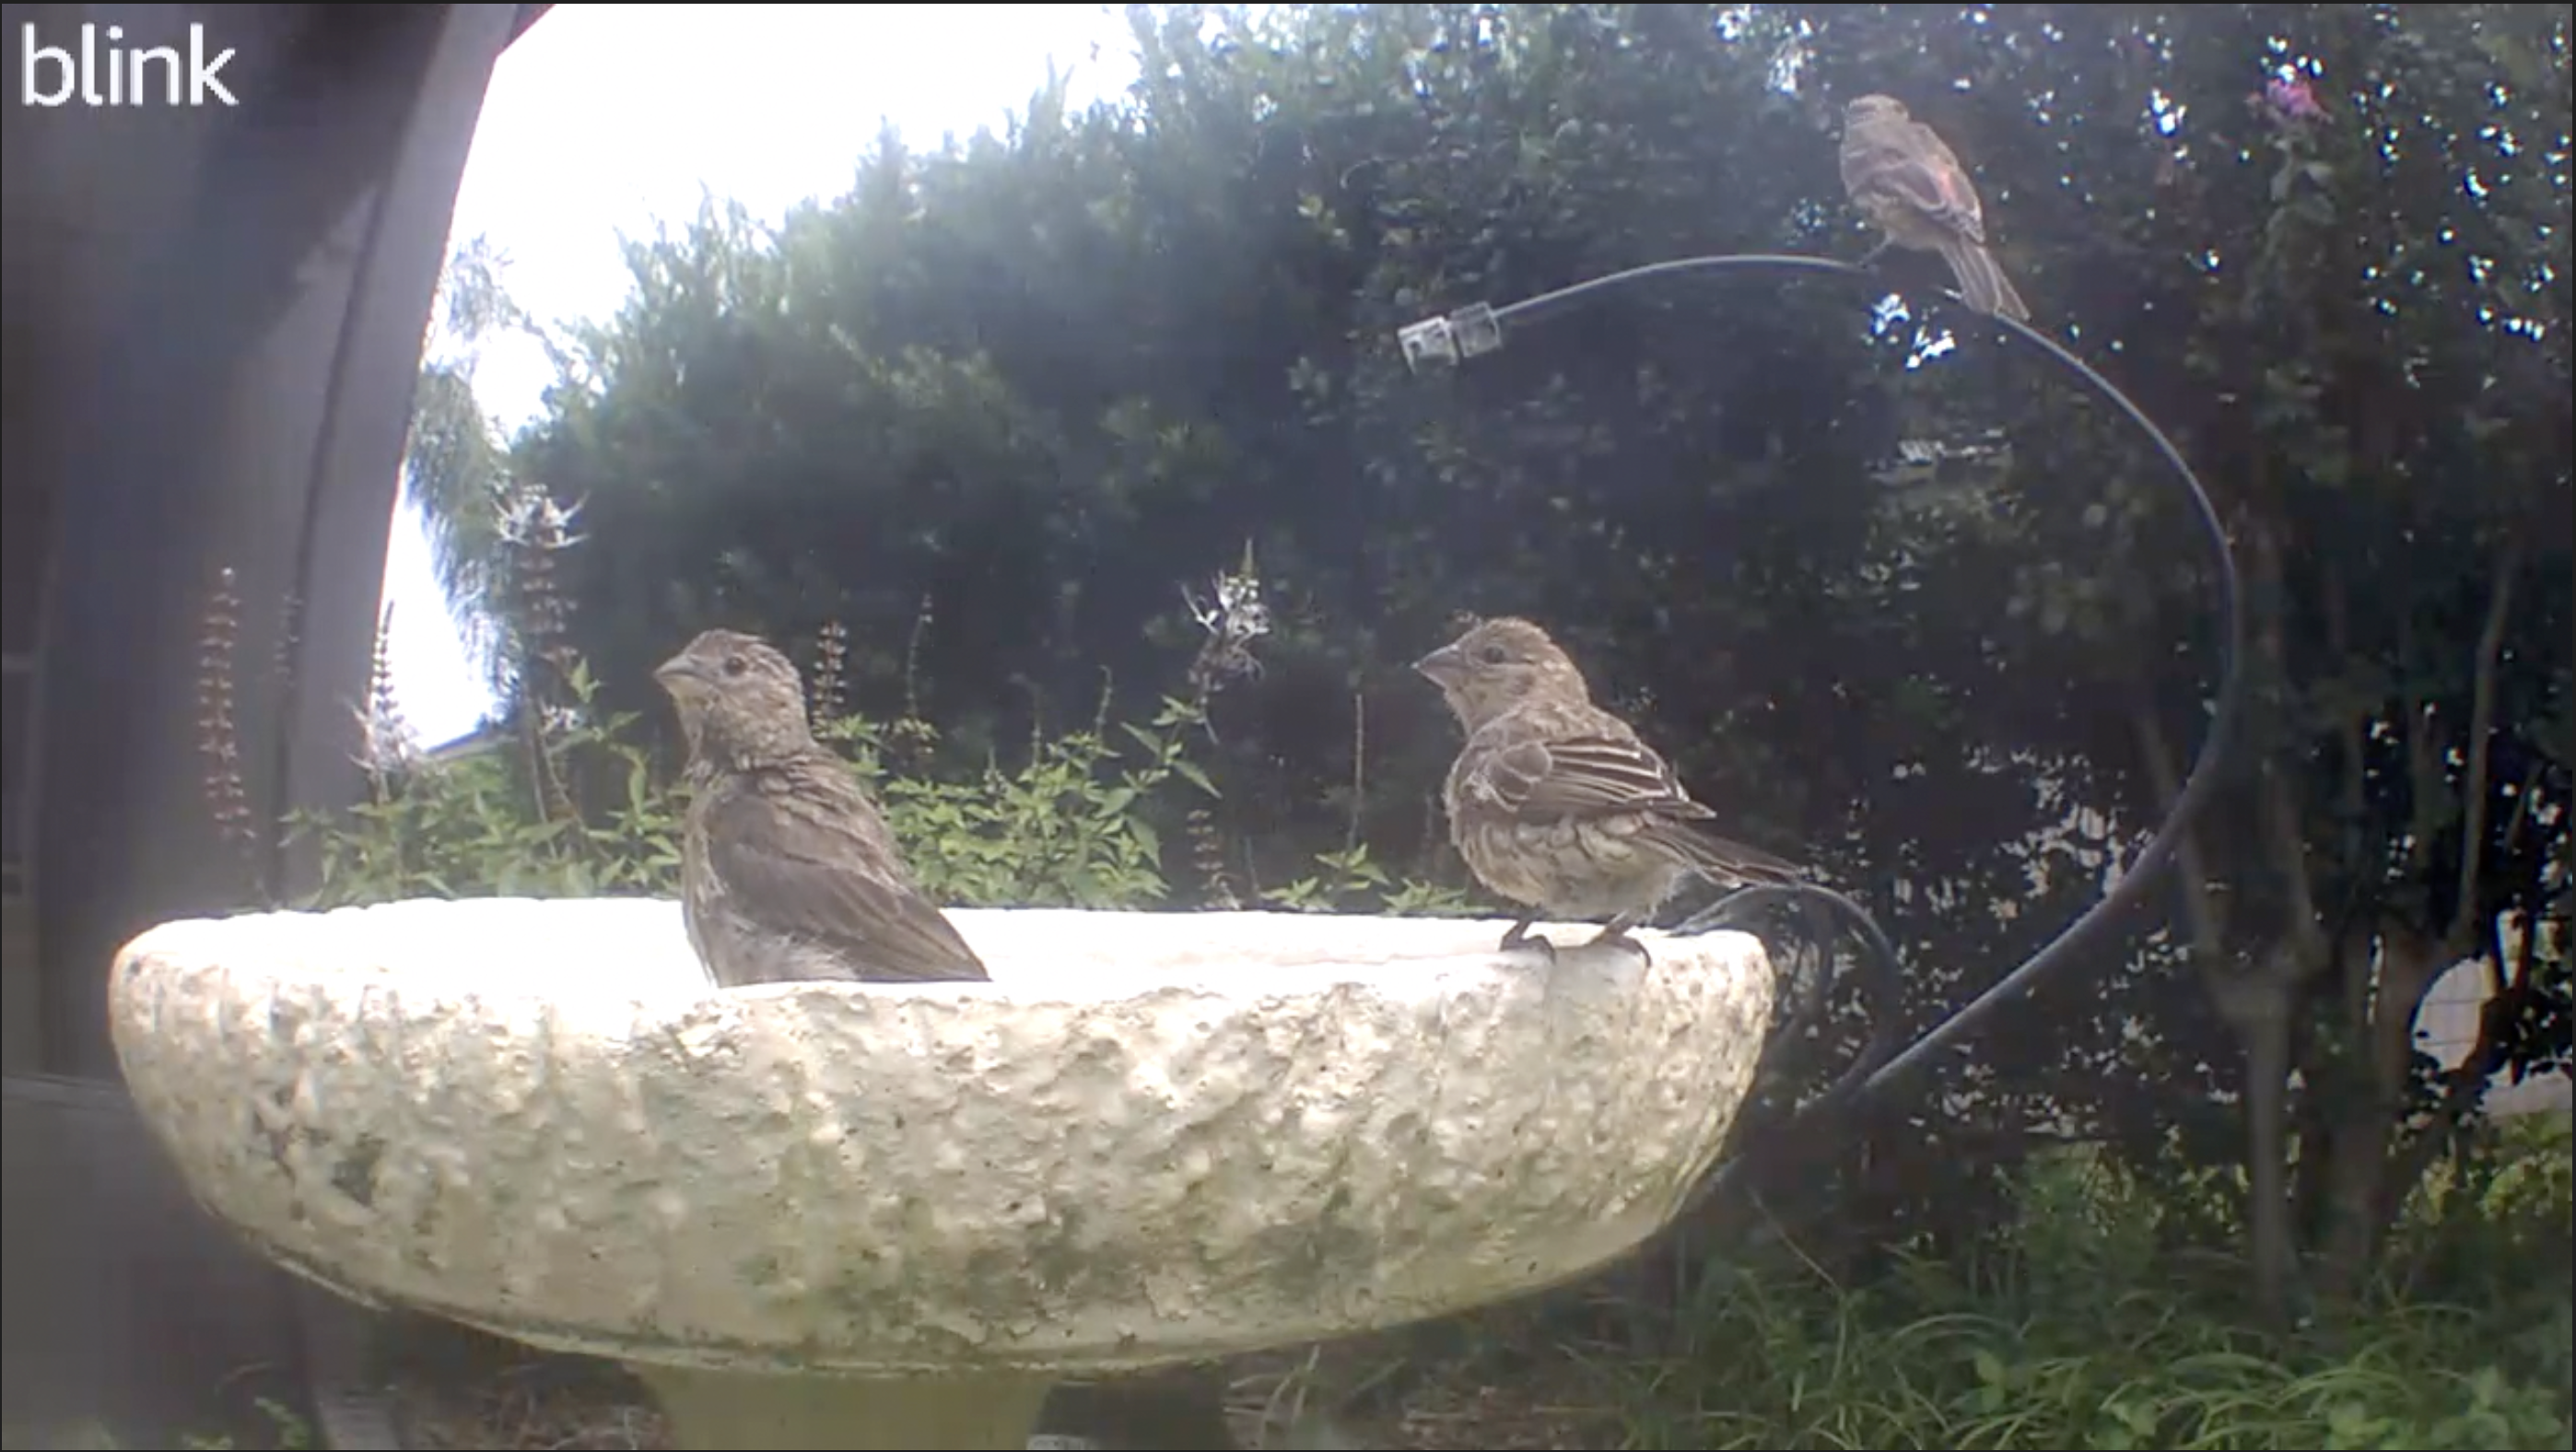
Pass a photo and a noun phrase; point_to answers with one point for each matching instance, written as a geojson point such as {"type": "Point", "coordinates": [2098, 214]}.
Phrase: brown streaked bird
{"type": "Point", "coordinates": [787, 871]}
{"type": "Point", "coordinates": [1556, 804]}
{"type": "Point", "coordinates": [1908, 182]}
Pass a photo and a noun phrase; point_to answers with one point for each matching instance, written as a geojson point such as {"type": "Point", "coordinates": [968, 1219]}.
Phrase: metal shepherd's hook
{"type": "Point", "coordinates": [1479, 329]}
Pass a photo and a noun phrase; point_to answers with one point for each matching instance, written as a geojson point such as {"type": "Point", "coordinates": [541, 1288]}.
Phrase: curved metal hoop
{"type": "Point", "coordinates": [1479, 329]}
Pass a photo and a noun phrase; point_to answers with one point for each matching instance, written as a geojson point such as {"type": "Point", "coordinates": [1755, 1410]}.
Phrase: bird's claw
{"type": "Point", "coordinates": [1534, 942]}
{"type": "Point", "coordinates": [1620, 938]}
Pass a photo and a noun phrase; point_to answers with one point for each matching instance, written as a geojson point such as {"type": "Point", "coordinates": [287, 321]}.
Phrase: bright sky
{"type": "Point", "coordinates": [604, 117]}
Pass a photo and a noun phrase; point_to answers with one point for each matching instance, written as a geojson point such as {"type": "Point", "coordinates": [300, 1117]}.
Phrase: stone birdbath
{"type": "Point", "coordinates": [842, 1216]}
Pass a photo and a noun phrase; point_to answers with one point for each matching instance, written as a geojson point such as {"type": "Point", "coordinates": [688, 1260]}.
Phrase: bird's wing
{"type": "Point", "coordinates": [1916, 169]}
{"type": "Point", "coordinates": [792, 873]}
{"type": "Point", "coordinates": [1585, 776]}
{"type": "Point", "coordinates": [1862, 155]}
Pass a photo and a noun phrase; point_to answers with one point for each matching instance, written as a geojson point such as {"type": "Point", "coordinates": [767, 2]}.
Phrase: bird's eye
{"type": "Point", "coordinates": [1494, 654]}
{"type": "Point", "coordinates": [735, 665]}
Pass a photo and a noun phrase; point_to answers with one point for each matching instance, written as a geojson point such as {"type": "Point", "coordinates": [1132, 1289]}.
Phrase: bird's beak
{"type": "Point", "coordinates": [676, 674]}
{"type": "Point", "coordinates": [1444, 666]}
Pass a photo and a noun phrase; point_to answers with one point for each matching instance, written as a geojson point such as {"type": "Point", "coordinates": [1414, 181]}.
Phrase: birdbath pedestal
{"type": "Point", "coordinates": [826, 1215]}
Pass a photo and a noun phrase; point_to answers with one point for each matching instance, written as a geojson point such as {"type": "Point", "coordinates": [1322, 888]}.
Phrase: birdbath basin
{"type": "Point", "coordinates": [863, 1216]}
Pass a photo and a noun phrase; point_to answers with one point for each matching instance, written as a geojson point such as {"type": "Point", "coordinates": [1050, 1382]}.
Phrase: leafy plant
{"type": "Point", "coordinates": [1068, 828]}
{"type": "Point", "coordinates": [477, 824]}
{"type": "Point", "coordinates": [1352, 881]}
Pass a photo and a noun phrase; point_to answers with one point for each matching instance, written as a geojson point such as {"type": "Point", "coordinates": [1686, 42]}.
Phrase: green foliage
{"type": "Point", "coordinates": [479, 825]}
{"type": "Point", "coordinates": [2078, 1330]}
{"type": "Point", "coordinates": [1072, 826]}
{"type": "Point", "coordinates": [1353, 882]}
{"type": "Point", "coordinates": [1069, 828]}
{"type": "Point", "coordinates": [2497, 1223]}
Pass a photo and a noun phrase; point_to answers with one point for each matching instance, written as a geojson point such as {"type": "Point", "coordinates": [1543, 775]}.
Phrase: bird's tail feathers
{"type": "Point", "coordinates": [1722, 862]}
{"type": "Point", "coordinates": [1982, 281]}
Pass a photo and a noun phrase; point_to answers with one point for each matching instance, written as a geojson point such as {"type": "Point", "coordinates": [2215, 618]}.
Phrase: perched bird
{"type": "Point", "coordinates": [1556, 804]}
{"type": "Point", "coordinates": [786, 870]}
{"type": "Point", "coordinates": [1908, 182]}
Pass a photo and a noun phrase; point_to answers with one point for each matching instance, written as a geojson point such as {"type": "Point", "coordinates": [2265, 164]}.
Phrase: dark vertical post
{"type": "Point", "coordinates": [248, 415]}
{"type": "Point", "coordinates": [357, 461]}
{"type": "Point", "coordinates": [215, 318]}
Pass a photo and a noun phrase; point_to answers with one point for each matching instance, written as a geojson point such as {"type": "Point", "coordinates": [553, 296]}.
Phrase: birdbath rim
{"type": "Point", "coordinates": [1155, 1137]}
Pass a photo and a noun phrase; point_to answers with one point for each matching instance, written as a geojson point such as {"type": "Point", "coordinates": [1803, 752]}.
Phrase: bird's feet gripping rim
{"type": "Point", "coordinates": [1521, 937]}
{"type": "Point", "coordinates": [1617, 936]}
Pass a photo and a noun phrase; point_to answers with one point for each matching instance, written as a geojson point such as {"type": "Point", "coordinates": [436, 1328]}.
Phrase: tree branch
{"type": "Point", "coordinates": [2465, 1082]}
{"type": "Point", "coordinates": [2348, 732]}
{"type": "Point", "coordinates": [2410, 963]}
{"type": "Point", "coordinates": [2413, 959]}
{"type": "Point", "coordinates": [2473, 787]}
{"type": "Point", "coordinates": [2256, 1007]}
{"type": "Point", "coordinates": [2512, 834]}
{"type": "Point", "coordinates": [2280, 826]}
{"type": "Point", "coordinates": [2305, 930]}
{"type": "Point", "coordinates": [2423, 768]}
{"type": "Point", "coordinates": [2199, 907]}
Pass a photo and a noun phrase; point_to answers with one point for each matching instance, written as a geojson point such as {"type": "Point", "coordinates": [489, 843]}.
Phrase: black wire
{"type": "Point", "coordinates": [1884, 990]}
{"type": "Point", "coordinates": [1867, 1077]}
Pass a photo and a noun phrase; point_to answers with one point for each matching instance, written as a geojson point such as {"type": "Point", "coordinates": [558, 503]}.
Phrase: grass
{"type": "Point", "coordinates": [2082, 1329]}
{"type": "Point", "coordinates": [1925, 1362]}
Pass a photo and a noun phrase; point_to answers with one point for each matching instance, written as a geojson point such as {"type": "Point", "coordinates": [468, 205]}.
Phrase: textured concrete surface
{"type": "Point", "coordinates": [1157, 1135]}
